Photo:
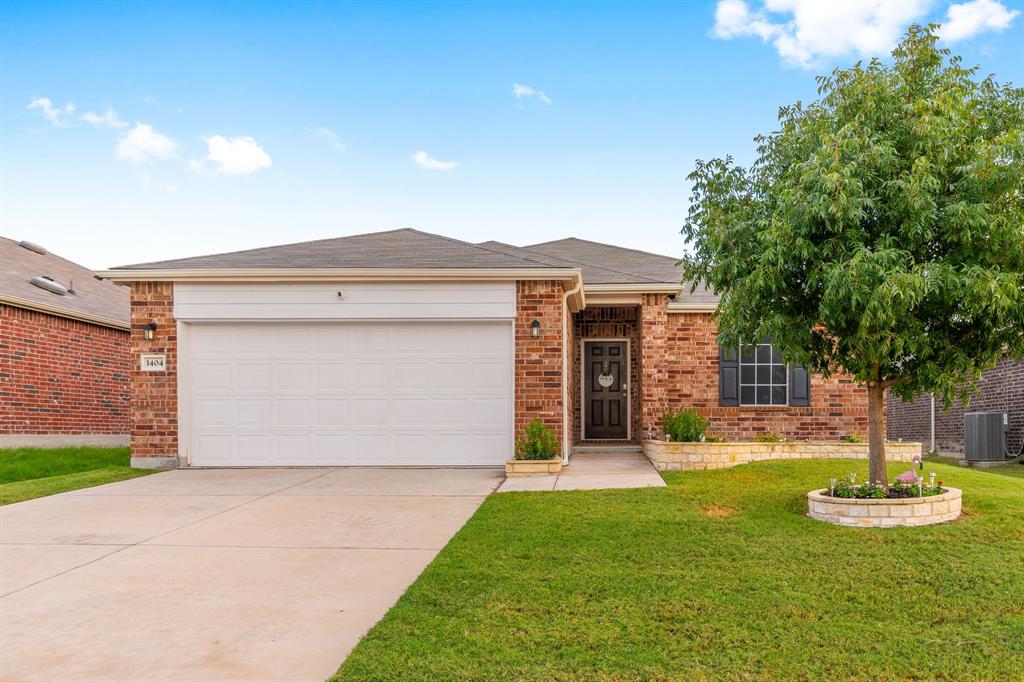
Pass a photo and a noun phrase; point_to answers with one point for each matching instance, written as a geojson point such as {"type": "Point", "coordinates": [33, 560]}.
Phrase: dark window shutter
{"type": "Point", "coordinates": [728, 377]}
{"type": "Point", "coordinates": [799, 386]}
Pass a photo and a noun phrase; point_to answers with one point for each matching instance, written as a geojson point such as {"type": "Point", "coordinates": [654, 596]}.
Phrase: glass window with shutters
{"type": "Point", "coordinates": [764, 379]}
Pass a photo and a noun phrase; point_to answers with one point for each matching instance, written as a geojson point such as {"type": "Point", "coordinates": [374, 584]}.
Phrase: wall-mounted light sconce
{"type": "Point", "coordinates": [535, 328]}
{"type": "Point", "coordinates": [149, 331]}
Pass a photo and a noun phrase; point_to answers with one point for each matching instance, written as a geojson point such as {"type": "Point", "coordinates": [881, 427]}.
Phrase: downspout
{"type": "Point", "coordinates": [565, 368]}
{"type": "Point", "coordinates": [932, 451]}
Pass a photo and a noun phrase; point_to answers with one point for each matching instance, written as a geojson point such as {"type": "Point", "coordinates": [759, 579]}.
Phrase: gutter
{"type": "Point", "coordinates": [565, 369]}
{"type": "Point", "coordinates": [692, 307]}
{"type": "Point", "coordinates": [99, 320]}
{"type": "Point", "coordinates": [632, 288]}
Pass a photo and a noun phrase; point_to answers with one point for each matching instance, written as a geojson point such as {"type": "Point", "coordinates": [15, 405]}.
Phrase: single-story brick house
{"type": "Point", "coordinates": [408, 348]}
{"type": "Point", "coordinates": [64, 352]}
{"type": "Point", "coordinates": [1001, 389]}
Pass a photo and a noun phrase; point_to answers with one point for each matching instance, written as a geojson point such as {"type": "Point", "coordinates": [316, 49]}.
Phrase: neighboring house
{"type": "Point", "coordinates": [1001, 389]}
{"type": "Point", "coordinates": [64, 352]}
{"type": "Point", "coordinates": [407, 348]}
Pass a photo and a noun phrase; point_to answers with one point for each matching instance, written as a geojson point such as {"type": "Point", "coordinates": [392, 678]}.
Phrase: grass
{"type": "Point", "coordinates": [719, 576]}
{"type": "Point", "coordinates": [26, 473]}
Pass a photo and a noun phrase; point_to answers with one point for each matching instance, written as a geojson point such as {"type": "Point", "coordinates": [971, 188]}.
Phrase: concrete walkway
{"type": "Point", "coordinates": [592, 471]}
{"type": "Point", "coordinates": [243, 574]}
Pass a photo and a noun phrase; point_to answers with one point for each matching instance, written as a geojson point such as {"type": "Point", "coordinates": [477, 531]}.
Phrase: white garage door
{"type": "Point", "coordinates": [349, 393]}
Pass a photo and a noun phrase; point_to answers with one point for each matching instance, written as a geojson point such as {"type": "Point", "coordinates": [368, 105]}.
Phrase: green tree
{"type": "Point", "coordinates": [880, 233]}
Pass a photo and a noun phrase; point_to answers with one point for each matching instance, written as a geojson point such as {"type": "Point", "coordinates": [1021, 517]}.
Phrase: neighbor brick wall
{"type": "Point", "coordinates": [538, 362]}
{"type": "Point", "coordinates": [619, 322]}
{"type": "Point", "coordinates": [154, 394]}
{"type": "Point", "coordinates": [1001, 389]}
{"type": "Point", "coordinates": [61, 376]}
{"type": "Point", "coordinates": [679, 368]}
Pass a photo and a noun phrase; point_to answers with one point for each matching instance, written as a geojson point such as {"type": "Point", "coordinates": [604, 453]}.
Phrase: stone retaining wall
{"type": "Point", "coordinates": [698, 456]}
{"type": "Point", "coordinates": [913, 511]}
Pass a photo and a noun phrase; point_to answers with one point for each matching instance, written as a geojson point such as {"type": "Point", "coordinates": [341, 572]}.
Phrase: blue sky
{"type": "Point", "coordinates": [135, 132]}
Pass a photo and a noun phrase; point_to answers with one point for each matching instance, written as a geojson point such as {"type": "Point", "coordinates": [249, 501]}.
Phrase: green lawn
{"type": "Point", "coordinates": [718, 576]}
{"type": "Point", "coordinates": [26, 473]}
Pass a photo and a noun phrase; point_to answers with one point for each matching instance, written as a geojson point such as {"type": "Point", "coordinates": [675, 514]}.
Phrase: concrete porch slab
{"type": "Point", "coordinates": [593, 471]}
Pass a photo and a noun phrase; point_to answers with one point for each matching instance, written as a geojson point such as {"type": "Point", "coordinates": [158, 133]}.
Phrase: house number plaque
{"type": "Point", "coordinates": [152, 363]}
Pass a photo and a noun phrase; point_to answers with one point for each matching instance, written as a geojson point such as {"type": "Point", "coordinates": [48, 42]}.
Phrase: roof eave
{"type": "Point", "coordinates": [631, 288]}
{"type": "Point", "coordinates": [334, 274]}
{"type": "Point", "coordinates": [570, 277]}
{"type": "Point", "coordinates": [57, 311]}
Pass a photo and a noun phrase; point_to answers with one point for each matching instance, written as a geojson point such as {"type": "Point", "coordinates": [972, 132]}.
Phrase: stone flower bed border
{"type": "Point", "coordinates": [910, 511]}
{"type": "Point", "coordinates": [667, 456]}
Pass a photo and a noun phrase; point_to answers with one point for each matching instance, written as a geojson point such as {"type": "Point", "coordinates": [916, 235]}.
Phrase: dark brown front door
{"type": "Point", "coordinates": [605, 390]}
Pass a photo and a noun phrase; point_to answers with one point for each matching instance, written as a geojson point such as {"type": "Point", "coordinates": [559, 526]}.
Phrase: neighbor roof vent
{"type": "Point", "coordinates": [44, 282]}
{"type": "Point", "coordinates": [32, 246]}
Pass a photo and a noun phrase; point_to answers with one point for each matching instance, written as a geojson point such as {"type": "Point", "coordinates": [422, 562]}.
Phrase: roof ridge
{"type": "Point", "coordinates": [484, 248]}
{"type": "Point", "coordinates": [592, 265]}
{"type": "Point", "coordinates": [623, 248]}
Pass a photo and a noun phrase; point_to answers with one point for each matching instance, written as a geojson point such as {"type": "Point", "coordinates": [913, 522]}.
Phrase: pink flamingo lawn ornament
{"type": "Point", "coordinates": [907, 478]}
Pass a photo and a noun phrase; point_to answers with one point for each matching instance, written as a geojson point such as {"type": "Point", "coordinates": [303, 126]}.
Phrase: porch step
{"type": "Point", "coordinates": [605, 449]}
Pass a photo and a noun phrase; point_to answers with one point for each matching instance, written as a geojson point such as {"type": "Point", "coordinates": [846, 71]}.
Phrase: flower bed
{"type": "Point", "coordinates": [884, 513]}
{"type": "Point", "coordinates": [532, 467]}
{"type": "Point", "coordinates": [667, 456]}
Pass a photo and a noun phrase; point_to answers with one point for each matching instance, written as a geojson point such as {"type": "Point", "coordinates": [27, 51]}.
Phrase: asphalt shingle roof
{"type": "Point", "coordinates": [91, 296]}
{"type": "Point", "coordinates": [404, 248]}
{"type": "Point", "coordinates": [408, 248]}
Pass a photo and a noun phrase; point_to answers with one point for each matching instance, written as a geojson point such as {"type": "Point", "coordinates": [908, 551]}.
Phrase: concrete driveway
{"type": "Point", "coordinates": [251, 574]}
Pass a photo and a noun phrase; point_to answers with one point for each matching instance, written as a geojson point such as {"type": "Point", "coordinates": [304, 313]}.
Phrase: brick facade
{"type": "Point", "coordinates": [679, 368]}
{"type": "Point", "coordinates": [154, 394]}
{"type": "Point", "coordinates": [605, 323]}
{"type": "Point", "coordinates": [1001, 389]}
{"type": "Point", "coordinates": [656, 358]}
{"type": "Point", "coordinates": [60, 376]}
{"type": "Point", "coordinates": [538, 361]}
{"type": "Point", "coordinates": [674, 363]}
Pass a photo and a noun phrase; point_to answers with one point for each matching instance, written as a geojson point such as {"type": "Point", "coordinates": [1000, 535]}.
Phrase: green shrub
{"type": "Point", "coordinates": [537, 442]}
{"type": "Point", "coordinates": [768, 437]}
{"type": "Point", "coordinates": [685, 426]}
{"type": "Point", "coordinates": [852, 438]}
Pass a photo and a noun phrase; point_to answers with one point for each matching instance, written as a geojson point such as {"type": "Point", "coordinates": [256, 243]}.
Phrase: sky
{"type": "Point", "coordinates": [138, 132]}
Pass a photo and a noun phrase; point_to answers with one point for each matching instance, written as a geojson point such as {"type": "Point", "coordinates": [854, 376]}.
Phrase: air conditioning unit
{"type": "Point", "coordinates": [985, 436]}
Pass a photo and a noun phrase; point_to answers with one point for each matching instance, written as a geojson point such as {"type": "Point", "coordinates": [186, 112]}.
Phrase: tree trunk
{"type": "Point", "coordinates": [876, 433]}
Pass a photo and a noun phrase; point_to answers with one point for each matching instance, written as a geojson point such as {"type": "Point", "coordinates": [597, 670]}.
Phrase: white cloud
{"type": "Point", "coordinates": [805, 32]}
{"type": "Point", "coordinates": [525, 91]}
{"type": "Point", "coordinates": [142, 143]}
{"type": "Point", "coordinates": [330, 137]}
{"type": "Point", "coordinates": [968, 19]}
{"type": "Point", "coordinates": [58, 116]}
{"type": "Point", "coordinates": [424, 160]}
{"type": "Point", "coordinates": [108, 118]}
{"type": "Point", "coordinates": [233, 156]}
